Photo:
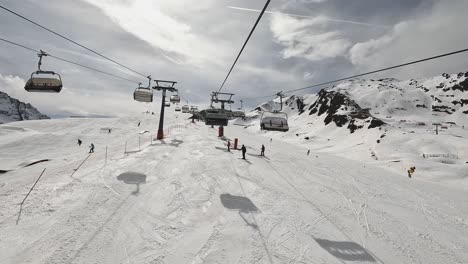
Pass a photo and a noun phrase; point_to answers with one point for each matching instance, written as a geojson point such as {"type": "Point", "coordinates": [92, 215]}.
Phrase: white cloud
{"type": "Point", "coordinates": [361, 53]}
{"type": "Point", "coordinates": [308, 38]}
{"type": "Point", "coordinates": [146, 20]}
{"type": "Point", "coordinates": [437, 31]}
{"type": "Point", "coordinates": [12, 85]}
{"type": "Point", "coordinates": [309, 76]}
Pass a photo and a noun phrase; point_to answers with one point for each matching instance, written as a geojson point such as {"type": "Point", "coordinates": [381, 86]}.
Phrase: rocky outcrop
{"type": "Point", "coordinates": [12, 109]}
{"type": "Point", "coordinates": [342, 110]}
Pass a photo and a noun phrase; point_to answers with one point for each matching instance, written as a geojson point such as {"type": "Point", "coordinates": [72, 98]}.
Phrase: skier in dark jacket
{"type": "Point", "coordinates": [91, 148]}
{"type": "Point", "coordinates": [244, 150]}
{"type": "Point", "coordinates": [262, 153]}
{"type": "Point", "coordinates": [229, 146]}
{"type": "Point", "coordinates": [79, 142]}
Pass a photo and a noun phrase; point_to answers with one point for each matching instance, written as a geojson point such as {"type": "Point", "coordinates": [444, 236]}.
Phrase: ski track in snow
{"type": "Point", "coordinates": [308, 209]}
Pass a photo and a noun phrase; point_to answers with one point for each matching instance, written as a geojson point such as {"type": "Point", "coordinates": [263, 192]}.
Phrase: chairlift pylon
{"type": "Point", "coordinates": [44, 84]}
{"type": "Point", "coordinates": [144, 94]}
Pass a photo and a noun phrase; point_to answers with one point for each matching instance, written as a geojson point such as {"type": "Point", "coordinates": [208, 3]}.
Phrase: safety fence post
{"type": "Point", "coordinates": [221, 131]}
{"type": "Point", "coordinates": [81, 164]}
{"type": "Point", "coordinates": [30, 190]}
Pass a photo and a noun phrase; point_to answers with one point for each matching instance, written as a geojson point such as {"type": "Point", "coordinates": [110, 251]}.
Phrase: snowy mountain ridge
{"type": "Point", "coordinates": [12, 109]}
{"type": "Point", "coordinates": [388, 120]}
{"type": "Point", "coordinates": [361, 103]}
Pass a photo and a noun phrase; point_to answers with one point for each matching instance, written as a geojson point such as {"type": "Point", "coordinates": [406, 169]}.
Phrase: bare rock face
{"type": "Point", "coordinates": [12, 110]}
{"type": "Point", "coordinates": [342, 110]}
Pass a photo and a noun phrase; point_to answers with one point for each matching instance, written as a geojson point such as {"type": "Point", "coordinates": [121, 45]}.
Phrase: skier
{"type": "Point", "coordinates": [308, 152]}
{"type": "Point", "coordinates": [244, 150]}
{"type": "Point", "coordinates": [138, 123]}
{"type": "Point", "coordinates": [229, 146]}
{"type": "Point", "coordinates": [411, 171]}
{"type": "Point", "coordinates": [271, 139]}
{"type": "Point", "coordinates": [91, 148]}
{"type": "Point", "coordinates": [110, 130]}
{"type": "Point", "coordinates": [262, 153]}
{"type": "Point", "coordinates": [79, 142]}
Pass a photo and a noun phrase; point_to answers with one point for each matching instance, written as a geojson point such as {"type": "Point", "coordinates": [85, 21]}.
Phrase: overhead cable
{"type": "Point", "coordinates": [72, 41]}
{"type": "Point", "coordinates": [379, 70]}
{"type": "Point", "coordinates": [69, 61]}
{"type": "Point", "coordinates": [245, 43]}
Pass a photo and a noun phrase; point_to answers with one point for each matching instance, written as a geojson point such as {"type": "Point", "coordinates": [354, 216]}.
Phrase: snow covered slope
{"type": "Point", "coordinates": [187, 200]}
{"type": "Point", "coordinates": [14, 110]}
{"type": "Point", "coordinates": [387, 121]}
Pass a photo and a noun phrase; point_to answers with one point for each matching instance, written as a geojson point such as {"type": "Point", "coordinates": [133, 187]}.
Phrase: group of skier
{"type": "Point", "coordinates": [91, 147]}
{"type": "Point", "coordinates": [244, 149]}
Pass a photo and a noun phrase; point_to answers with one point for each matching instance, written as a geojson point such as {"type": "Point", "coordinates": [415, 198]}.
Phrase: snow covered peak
{"type": "Point", "coordinates": [12, 110]}
{"type": "Point", "coordinates": [367, 103]}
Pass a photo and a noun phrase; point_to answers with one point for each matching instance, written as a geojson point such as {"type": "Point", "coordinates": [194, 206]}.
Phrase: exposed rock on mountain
{"type": "Point", "coordinates": [12, 110]}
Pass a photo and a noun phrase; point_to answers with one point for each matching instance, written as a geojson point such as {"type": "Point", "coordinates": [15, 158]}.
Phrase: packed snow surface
{"type": "Point", "coordinates": [187, 200]}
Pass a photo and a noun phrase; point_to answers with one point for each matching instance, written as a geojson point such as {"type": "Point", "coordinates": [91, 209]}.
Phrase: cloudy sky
{"type": "Point", "coordinates": [195, 43]}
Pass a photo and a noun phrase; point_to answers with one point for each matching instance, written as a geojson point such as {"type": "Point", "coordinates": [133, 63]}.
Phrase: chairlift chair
{"type": "Point", "coordinates": [175, 99]}
{"type": "Point", "coordinates": [44, 81]}
{"type": "Point", "coordinates": [143, 94]}
{"type": "Point", "coordinates": [178, 109]}
{"type": "Point", "coordinates": [217, 117]}
{"type": "Point", "coordinates": [275, 120]}
{"type": "Point", "coordinates": [185, 109]}
{"type": "Point", "coordinates": [238, 113]}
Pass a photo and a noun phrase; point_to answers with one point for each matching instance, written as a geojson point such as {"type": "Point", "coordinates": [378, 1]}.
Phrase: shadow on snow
{"type": "Point", "coordinates": [133, 178]}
